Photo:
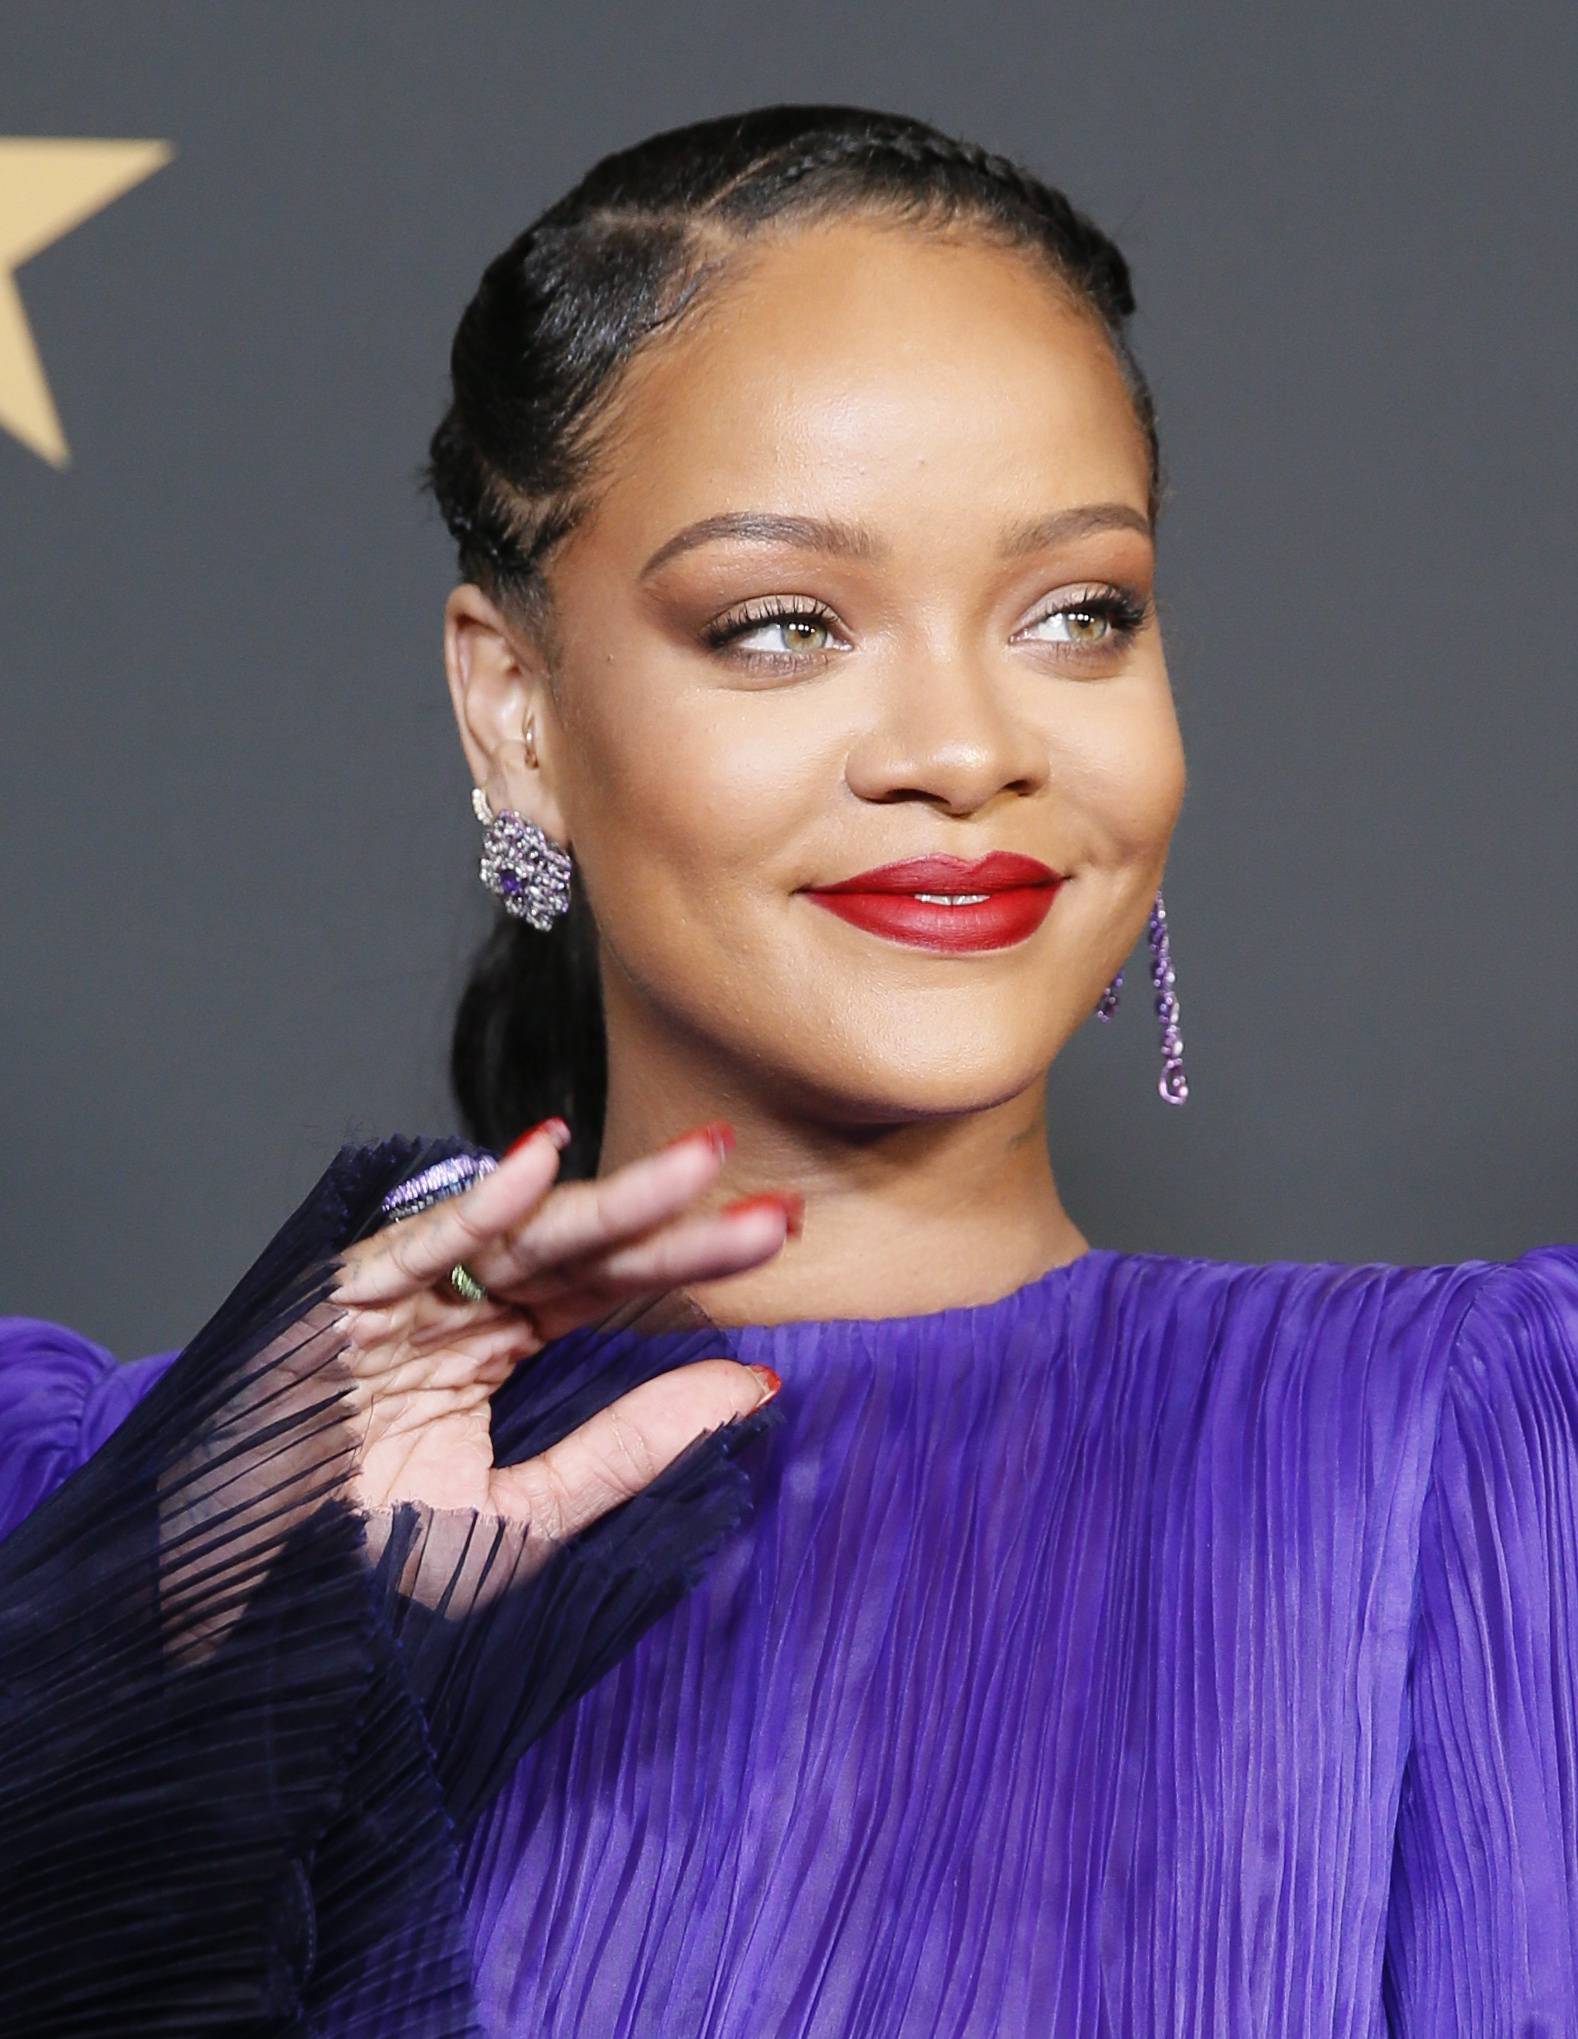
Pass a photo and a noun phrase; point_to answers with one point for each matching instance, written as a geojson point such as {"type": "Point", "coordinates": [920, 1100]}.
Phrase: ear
{"type": "Point", "coordinates": [497, 681]}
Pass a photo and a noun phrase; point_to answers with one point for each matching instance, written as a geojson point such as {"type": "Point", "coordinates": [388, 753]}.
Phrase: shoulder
{"type": "Point", "coordinates": [47, 1374]}
{"type": "Point", "coordinates": [1512, 1378]}
{"type": "Point", "coordinates": [1367, 1319]}
{"type": "Point", "coordinates": [61, 1394]}
{"type": "Point", "coordinates": [1274, 1287]}
{"type": "Point", "coordinates": [1384, 1354]}
{"type": "Point", "coordinates": [1495, 1656]}
{"type": "Point", "coordinates": [1525, 1307]}
{"type": "Point", "coordinates": [46, 1371]}
{"type": "Point", "coordinates": [1499, 1536]}
{"type": "Point", "coordinates": [1445, 1297]}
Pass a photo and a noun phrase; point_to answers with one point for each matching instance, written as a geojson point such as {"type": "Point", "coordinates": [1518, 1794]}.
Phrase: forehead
{"type": "Point", "coordinates": [839, 365]}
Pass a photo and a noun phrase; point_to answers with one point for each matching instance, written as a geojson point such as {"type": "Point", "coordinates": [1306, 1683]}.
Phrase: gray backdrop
{"type": "Point", "coordinates": [240, 873]}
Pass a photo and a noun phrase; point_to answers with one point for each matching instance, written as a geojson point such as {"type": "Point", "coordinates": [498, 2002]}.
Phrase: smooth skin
{"type": "Point", "coordinates": [935, 395]}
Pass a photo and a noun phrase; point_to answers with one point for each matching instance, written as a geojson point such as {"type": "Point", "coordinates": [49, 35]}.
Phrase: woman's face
{"type": "Point", "coordinates": [959, 674]}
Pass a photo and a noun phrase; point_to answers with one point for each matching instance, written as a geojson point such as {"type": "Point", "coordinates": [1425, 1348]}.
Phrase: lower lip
{"type": "Point", "coordinates": [998, 921]}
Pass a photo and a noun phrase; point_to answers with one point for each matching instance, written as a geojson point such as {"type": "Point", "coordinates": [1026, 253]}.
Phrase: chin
{"type": "Point", "coordinates": [921, 1080]}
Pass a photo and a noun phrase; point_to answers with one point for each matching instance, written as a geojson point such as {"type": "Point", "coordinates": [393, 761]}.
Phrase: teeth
{"type": "Point", "coordinates": [952, 898]}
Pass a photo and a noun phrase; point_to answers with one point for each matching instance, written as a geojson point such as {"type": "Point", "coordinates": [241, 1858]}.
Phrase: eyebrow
{"type": "Point", "coordinates": [853, 541]}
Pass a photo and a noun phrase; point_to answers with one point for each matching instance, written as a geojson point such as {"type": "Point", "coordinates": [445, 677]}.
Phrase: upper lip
{"type": "Point", "coordinates": [998, 872]}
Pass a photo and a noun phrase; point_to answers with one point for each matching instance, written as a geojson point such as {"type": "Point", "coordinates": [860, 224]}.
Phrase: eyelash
{"type": "Point", "coordinates": [1124, 614]}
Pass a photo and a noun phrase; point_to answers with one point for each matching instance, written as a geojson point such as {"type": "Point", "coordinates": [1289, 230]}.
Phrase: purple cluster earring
{"type": "Point", "coordinates": [526, 868]}
{"type": "Point", "coordinates": [1173, 1084]}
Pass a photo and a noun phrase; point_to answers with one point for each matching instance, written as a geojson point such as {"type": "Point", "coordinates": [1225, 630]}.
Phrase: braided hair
{"type": "Point", "coordinates": [535, 364]}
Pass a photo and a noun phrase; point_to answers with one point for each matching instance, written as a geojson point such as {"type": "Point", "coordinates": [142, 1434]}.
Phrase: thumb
{"type": "Point", "coordinates": [621, 1449]}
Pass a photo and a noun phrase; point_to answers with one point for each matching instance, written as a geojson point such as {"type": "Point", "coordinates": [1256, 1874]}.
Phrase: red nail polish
{"type": "Point", "coordinates": [718, 1131]}
{"type": "Point", "coordinates": [789, 1201]}
{"type": "Point", "coordinates": [556, 1129]}
{"type": "Point", "coordinates": [771, 1380]}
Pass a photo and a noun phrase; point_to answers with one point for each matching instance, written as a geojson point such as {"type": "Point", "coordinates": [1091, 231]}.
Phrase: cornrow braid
{"type": "Point", "coordinates": [1095, 257]}
{"type": "Point", "coordinates": [537, 357]}
{"type": "Point", "coordinates": [1088, 255]}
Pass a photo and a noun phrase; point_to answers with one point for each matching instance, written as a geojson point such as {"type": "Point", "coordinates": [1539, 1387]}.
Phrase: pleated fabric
{"type": "Point", "coordinates": [1081, 1655]}
{"type": "Point", "coordinates": [242, 1720]}
{"type": "Point", "coordinates": [1173, 1647]}
{"type": "Point", "coordinates": [1484, 1929]}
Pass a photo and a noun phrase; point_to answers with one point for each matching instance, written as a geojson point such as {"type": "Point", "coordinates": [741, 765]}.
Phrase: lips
{"type": "Point", "coordinates": [989, 902]}
{"type": "Point", "coordinates": [999, 872]}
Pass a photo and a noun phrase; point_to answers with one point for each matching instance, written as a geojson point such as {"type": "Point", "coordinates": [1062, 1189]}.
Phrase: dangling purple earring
{"type": "Point", "coordinates": [1173, 1084]}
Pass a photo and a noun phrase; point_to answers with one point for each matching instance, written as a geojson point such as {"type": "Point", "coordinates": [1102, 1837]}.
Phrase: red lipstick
{"type": "Point", "coordinates": [948, 903]}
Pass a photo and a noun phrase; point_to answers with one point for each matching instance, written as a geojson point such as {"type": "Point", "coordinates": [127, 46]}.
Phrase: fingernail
{"type": "Point", "coordinates": [770, 1384]}
{"type": "Point", "coordinates": [789, 1201]}
{"type": "Point", "coordinates": [556, 1129]}
{"type": "Point", "coordinates": [718, 1131]}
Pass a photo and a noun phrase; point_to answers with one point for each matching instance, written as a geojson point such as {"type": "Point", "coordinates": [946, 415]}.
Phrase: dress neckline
{"type": "Point", "coordinates": [950, 1317]}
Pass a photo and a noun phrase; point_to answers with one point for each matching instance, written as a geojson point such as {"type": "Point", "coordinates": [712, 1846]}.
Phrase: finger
{"type": "Point", "coordinates": [690, 1249]}
{"type": "Point", "coordinates": [409, 1254]}
{"type": "Point", "coordinates": [621, 1449]}
{"type": "Point", "coordinates": [582, 1219]}
{"type": "Point", "coordinates": [702, 1247]}
{"type": "Point", "coordinates": [497, 1335]}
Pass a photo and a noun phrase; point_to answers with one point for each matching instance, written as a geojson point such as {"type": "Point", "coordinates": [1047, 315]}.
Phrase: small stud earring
{"type": "Point", "coordinates": [527, 870]}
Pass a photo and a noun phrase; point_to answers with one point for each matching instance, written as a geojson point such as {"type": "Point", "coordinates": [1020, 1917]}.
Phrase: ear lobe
{"type": "Point", "coordinates": [528, 777]}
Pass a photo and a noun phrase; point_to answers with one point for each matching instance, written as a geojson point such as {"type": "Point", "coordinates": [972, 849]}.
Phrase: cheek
{"type": "Point", "coordinates": [1130, 771]}
{"type": "Point", "coordinates": [688, 793]}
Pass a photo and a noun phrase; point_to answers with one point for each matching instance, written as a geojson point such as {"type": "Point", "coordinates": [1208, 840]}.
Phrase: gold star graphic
{"type": "Point", "coordinates": [47, 187]}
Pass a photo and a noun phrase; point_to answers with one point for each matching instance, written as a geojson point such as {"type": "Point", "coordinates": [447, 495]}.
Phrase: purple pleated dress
{"type": "Point", "coordinates": [1172, 1647]}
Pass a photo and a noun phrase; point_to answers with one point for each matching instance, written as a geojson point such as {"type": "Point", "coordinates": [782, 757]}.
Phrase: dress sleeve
{"type": "Point", "coordinates": [47, 1372]}
{"type": "Point", "coordinates": [1482, 1932]}
{"type": "Point", "coordinates": [244, 1721]}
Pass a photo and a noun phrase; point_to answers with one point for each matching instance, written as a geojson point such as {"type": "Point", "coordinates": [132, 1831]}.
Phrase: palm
{"type": "Point", "coordinates": [423, 1364]}
{"type": "Point", "coordinates": [427, 1390]}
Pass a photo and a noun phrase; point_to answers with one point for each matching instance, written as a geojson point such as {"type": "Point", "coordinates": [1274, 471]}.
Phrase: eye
{"type": "Point", "coordinates": [802, 629]}
{"type": "Point", "coordinates": [1096, 620]}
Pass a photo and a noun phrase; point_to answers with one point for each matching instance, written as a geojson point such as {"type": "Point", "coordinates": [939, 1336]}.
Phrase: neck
{"type": "Point", "coordinates": [900, 1219]}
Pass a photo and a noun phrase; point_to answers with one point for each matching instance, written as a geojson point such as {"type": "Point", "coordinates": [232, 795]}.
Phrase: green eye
{"type": "Point", "coordinates": [1084, 626]}
{"type": "Point", "coordinates": [800, 625]}
{"type": "Point", "coordinates": [795, 628]}
{"type": "Point", "coordinates": [1100, 621]}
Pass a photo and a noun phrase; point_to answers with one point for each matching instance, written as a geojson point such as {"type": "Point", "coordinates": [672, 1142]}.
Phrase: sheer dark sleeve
{"type": "Point", "coordinates": [245, 1721]}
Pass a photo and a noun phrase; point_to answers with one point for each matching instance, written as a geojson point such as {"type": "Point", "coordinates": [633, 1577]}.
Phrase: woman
{"type": "Point", "coordinates": [1082, 1641]}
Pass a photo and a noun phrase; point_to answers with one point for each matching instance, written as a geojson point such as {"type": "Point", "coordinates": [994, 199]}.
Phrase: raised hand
{"type": "Point", "coordinates": [552, 1256]}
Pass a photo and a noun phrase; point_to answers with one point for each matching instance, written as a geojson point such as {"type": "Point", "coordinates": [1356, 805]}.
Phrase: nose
{"type": "Point", "coordinates": [945, 730]}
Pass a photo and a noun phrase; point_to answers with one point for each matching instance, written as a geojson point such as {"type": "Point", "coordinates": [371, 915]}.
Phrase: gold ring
{"type": "Point", "coordinates": [465, 1284]}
